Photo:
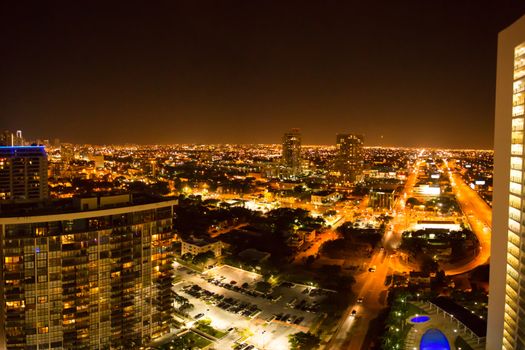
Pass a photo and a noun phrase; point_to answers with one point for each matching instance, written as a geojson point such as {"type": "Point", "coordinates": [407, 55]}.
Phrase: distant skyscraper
{"type": "Point", "coordinates": [349, 157]}
{"type": "Point", "coordinates": [506, 319]}
{"type": "Point", "coordinates": [67, 153]}
{"type": "Point", "coordinates": [93, 279]}
{"type": "Point", "coordinates": [23, 173]}
{"type": "Point", "coordinates": [18, 139]}
{"type": "Point", "coordinates": [6, 138]}
{"type": "Point", "coordinates": [292, 152]}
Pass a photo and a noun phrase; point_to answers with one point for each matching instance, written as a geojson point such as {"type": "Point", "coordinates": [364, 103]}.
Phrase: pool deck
{"type": "Point", "coordinates": [441, 322]}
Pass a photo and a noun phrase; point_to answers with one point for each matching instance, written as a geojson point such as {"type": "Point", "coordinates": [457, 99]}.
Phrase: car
{"type": "Point", "coordinates": [372, 269]}
{"type": "Point", "coordinates": [233, 282]}
{"type": "Point", "coordinates": [198, 316]}
{"type": "Point", "coordinates": [359, 300]}
{"type": "Point", "coordinates": [299, 320]}
{"type": "Point", "coordinates": [353, 313]}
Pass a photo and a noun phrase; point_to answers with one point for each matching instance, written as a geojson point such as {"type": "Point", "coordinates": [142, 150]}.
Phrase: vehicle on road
{"type": "Point", "coordinates": [353, 313]}
{"type": "Point", "coordinates": [359, 300]}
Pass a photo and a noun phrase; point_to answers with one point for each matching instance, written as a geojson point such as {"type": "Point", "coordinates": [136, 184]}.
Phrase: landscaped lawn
{"type": "Point", "coordinates": [204, 326]}
{"type": "Point", "coordinates": [189, 341]}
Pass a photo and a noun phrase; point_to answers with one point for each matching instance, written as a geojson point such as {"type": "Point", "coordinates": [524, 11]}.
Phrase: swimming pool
{"type": "Point", "coordinates": [434, 339]}
{"type": "Point", "coordinates": [420, 319]}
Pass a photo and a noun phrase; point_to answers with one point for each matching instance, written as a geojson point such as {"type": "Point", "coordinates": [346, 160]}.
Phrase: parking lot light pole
{"type": "Point", "coordinates": [262, 339]}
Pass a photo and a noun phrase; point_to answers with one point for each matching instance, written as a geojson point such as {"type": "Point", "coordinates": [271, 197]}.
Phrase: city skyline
{"type": "Point", "coordinates": [263, 175]}
{"type": "Point", "coordinates": [199, 74]}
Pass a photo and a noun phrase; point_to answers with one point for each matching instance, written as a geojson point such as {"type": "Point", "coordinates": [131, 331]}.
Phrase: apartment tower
{"type": "Point", "coordinates": [98, 278]}
{"type": "Point", "coordinates": [349, 157]}
{"type": "Point", "coordinates": [23, 174]}
{"type": "Point", "coordinates": [292, 152]}
{"type": "Point", "coordinates": [506, 319]}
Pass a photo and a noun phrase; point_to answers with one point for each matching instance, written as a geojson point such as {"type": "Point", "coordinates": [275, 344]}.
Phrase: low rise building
{"type": "Point", "coordinates": [382, 198]}
{"type": "Point", "coordinates": [325, 197]}
{"type": "Point", "coordinates": [196, 246]}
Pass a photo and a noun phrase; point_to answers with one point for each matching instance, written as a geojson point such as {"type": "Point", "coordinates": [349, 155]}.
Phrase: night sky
{"type": "Point", "coordinates": [403, 73]}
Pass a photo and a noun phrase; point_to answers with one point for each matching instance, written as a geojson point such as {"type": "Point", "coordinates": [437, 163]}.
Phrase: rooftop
{"type": "Point", "coordinates": [473, 322]}
{"type": "Point", "coordinates": [73, 205]}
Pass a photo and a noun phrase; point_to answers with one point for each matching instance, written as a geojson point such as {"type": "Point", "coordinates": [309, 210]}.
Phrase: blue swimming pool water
{"type": "Point", "coordinates": [420, 319]}
{"type": "Point", "coordinates": [434, 339]}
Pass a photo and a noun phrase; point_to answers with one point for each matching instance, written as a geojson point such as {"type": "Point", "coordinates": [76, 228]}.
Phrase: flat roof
{"type": "Point", "coordinates": [473, 322]}
{"type": "Point", "coordinates": [66, 210]}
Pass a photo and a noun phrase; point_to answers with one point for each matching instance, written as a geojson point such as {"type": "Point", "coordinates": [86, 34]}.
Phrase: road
{"type": "Point", "coordinates": [399, 223]}
{"type": "Point", "coordinates": [370, 287]}
{"type": "Point", "coordinates": [479, 215]}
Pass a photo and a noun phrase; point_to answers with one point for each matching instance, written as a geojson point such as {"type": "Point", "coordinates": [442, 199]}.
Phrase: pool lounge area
{"type": "Point", "coordinates": [436, 330]}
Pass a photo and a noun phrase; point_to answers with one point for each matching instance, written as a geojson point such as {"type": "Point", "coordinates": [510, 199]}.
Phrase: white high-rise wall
{"type": "Point", "coordinates": [506, 320]}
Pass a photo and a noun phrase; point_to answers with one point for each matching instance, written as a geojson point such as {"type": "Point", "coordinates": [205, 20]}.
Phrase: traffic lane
{"type": "Point", "coordinates": [373, 293]}
{"type": "Point", "coordinates": [366, 311]}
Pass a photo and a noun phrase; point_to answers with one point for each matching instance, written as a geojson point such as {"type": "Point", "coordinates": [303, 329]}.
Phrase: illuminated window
{"type": "Point", "coordinates": [519, 50]}
{"type": "Point", "coordinates": [11, 259]}
{"type": "Point", "coordinates": [515, 202]}
{"type": "Point", "coordinates": [517, 137]}
{"type": "Point", "coordinates": [516, 163]}
{"type": "Point", "coordinates": [40, 231]}
{"type": "Point", "coordinates": [517, 99]}
{"type": "Point", "coordinates": [516, 150]}
{"type": "Point", "coordinates": [517, 124]}
{"type": "Point", "coordinates": [518, 73]}
{"type": "Point", "coordinates": [515, 188]}
{"type": "Point", "coordinates": [517, 110]}
{"type": "Point", "coordinates": [519, 85]}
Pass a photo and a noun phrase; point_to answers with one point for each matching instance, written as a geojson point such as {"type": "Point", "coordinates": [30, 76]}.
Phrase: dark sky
{"type": "Point", "coordinates": [417, 72]}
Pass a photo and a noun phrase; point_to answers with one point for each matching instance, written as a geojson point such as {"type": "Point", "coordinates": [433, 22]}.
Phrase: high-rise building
{"type": "Point", "coordinates": [23, 173]}
{"type": "Point", "coordinates": [6, 138]}
{"type": "Point", "coordinates": [67, 153]}
{"type": "Point", "coordinates": [18, 139]}
{"type": "Point", "coordinates": [506, 319]}
{"type": "Point", "coordinates": [93, 279]}
{"type": "Point", "coordinates": [349, 158]}
{"type": "Point", "coordinates": [292, 153]}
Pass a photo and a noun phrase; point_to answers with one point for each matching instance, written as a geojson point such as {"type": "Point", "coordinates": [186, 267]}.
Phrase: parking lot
{"type": "Point", "coordinates": [227, 296]}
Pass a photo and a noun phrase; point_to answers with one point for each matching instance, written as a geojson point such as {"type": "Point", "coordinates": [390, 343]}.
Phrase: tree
{"type": "Point", "coordinates": [303, 341]}
{"type": "Point", "coordinates": [413, 201]}
{"type": "Point", "coordinates": [427, 264]}
{"type": "Point", "coordinates": [263, 286]}
{"type": "Point", "coordinates": [310, 260]}
{"type": "Point", "coordinates": [187, 257]}
{"type": "Point", "coordinates": [202, 258]}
